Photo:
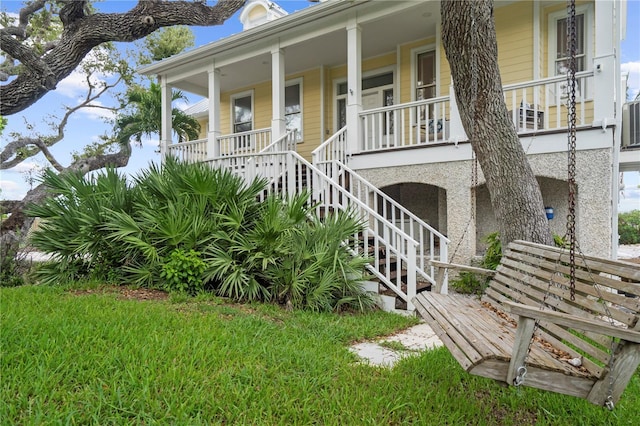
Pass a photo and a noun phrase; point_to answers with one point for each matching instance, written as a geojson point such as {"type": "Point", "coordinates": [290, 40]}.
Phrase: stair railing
{"type": "Point", "coordinates": [288, 170]}
{"type": "Point", "coordinates": [432, 243]}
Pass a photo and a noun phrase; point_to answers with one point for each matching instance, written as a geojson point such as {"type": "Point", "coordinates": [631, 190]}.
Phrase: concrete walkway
{"type": "Point", "coordinates": [413, 340]}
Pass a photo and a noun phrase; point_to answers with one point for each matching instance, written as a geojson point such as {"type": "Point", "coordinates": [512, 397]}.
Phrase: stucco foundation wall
{"type": "Point", "coordinates": [453, 180]}
{"type": "Point", "coordinates": [594, 206]}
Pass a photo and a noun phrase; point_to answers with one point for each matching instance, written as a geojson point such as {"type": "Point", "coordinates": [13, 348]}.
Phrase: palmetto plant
{"type": "Point", "coordinates": [190, 227]}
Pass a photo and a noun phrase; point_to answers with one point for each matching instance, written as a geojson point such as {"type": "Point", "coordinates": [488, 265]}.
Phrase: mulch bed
{"type": "Point", "coordinates": [127, 293]}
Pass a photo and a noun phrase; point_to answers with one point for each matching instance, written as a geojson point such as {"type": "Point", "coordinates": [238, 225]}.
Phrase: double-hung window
{"type": "Point", "coordinates": [242, 118]}
{"type": "Point", "coordinates": [559, 51]}
{"type": "Point", "coordinates": [293, 108]}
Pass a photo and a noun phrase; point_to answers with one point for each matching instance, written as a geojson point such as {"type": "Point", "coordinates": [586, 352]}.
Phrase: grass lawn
{"type": "Point", "coordinates": [90, 357]}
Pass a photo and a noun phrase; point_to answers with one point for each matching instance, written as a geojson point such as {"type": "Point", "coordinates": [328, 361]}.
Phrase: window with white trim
{"type": "Point", "coordinates": [426, 75]}
{"type": "Point", "coordinates": [559, 46]}
{"type": "Point", "coordinates": [242, 115]}
{"type": "Point", "coordinates": [293, 108]}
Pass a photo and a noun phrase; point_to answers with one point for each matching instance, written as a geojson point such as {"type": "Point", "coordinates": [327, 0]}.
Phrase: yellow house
{"type": "Point", "coordinates": [358, 96]}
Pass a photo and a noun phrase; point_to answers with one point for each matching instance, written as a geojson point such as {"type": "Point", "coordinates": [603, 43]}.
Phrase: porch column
{"type": "Point", "coordinates": [165, 129]}
{"type": "Point", "coordinates": [278, 123]}
{"type": "Point", "coordinates": [213, 147]}
{"type": "Point", "coordinates": [456, 130]}
{"type": "Point", "coordinates": [354, 84]}
{"type": "Point", "coordinates": [606, 76]}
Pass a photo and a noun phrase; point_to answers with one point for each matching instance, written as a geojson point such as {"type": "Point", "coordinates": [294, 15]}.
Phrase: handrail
{"type": "Point", "coordinates": [393, 202]}
{"type": "Point", "coordinates": [319, 154]}
{"type": "Point", "coordinates": [406, 105]}
{"type": "Point", "coordinates": [547, 80]}
{"type": "Point", "coordinates": [286, 169]}
{"type": "Point", "coordinates": [288, 140]}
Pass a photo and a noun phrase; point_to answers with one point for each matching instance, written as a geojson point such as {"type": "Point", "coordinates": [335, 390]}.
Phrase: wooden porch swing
{"type": "Point", "coordinates": [549, 319]}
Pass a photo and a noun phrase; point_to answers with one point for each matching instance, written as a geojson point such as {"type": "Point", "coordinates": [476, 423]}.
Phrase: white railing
{"type": "Point", "coordinates": [333, 149]}
{"type": "Point", "coordinates": [190, 152]}
{"type": "Point", "coordinates": [404, 125]}
{"type": "Point", "coordinates": [542, 104]}
{"type": "Point", "coordinates": [250, 142]}
{"type": "Point", "coordinates": [287, 142]}
{"type": "Point", "coordinates": [433, 245]}
{"type": "Point", "coordinates": [289, 173]}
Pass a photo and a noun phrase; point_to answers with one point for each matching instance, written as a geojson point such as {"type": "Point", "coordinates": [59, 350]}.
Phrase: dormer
{"type": "Point", "coordinates": [258, 12]}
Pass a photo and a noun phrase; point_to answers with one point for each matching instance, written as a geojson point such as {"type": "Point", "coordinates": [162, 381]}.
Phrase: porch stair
{"type": "Point", "coordinates": [399, 260]}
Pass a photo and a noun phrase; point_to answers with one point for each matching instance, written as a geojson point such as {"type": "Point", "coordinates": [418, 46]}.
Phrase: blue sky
{"type": "Point", "coordinates": [86, 127]}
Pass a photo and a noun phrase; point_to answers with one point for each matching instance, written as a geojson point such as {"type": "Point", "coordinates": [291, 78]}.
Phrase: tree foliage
{"type": "Point", "coordinates": [39, 68]}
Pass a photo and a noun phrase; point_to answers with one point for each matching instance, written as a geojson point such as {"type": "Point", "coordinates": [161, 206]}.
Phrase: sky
{"type": "Point", "coordinates": [87, 126]}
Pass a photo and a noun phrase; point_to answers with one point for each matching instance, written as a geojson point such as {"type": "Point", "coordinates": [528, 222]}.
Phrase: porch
{"type": "Point", "coordinates": [536, 108]}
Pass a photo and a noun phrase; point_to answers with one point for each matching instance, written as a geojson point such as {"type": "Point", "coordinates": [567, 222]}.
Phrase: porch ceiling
{"type": "Point", "coordinates": [380, 35]}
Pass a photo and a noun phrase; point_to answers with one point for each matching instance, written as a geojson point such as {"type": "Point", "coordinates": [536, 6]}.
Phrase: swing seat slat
{"type": "Point", "coordinates": [491, 336]}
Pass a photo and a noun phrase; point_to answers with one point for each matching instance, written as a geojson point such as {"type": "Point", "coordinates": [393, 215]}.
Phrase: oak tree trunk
{"type": "Point", "coordinates": [469, 39]}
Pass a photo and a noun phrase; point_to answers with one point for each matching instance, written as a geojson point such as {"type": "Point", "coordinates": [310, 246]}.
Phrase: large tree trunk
{"type": "Point", "coordinates": [469, 38]}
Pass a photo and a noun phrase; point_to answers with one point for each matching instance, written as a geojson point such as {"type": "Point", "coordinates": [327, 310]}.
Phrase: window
{"type": "Point", "coordinates": [293, 108]}
{"type": "Point", "coordinates": [426, 75]}
{"type": "Point", "coordinates": [559, 47]}
{"type": "Point", "coordinates": [242, 105]}
{"type": "Point", "coordinates": [242, 113]}
{"type": "Point", "coordinates": [562, 45]}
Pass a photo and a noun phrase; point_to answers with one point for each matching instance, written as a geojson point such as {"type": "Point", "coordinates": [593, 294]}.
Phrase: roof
{"type": "Point", "coordinates": [292, 20]}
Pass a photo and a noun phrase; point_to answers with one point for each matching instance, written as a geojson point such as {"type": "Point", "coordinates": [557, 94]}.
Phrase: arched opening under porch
{"type": "Point", "coordinates": [555, 195]}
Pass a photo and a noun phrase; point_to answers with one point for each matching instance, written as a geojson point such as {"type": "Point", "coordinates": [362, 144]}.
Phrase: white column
{"type": "Point", "coordinates": [278, 124]}
{"type": "Point", "coordinates": [354, 85]}
{"type": "Point", "coordinates": [165, 129]}
{"type": "Point", "coordinates": [456, 130]}
{"type": "Point", "coordinates": [213, 147]}
{"type": "Point", "coordinates": [606, 76]}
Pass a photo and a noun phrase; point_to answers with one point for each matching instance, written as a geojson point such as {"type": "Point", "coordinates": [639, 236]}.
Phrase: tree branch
{"type": "Point", "coordinates": [14, 154]}
{"type": "Point", "coordinates": [84, 32]}
{"type": "Point", "coordinates": [83, 165]}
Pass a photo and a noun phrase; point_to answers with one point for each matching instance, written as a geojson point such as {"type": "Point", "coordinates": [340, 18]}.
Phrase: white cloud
{"type": "Point", "coordinates": [26, 166]}
{"type": "Point", "coordinates": [8, 185]}
{"type": "Point", "coordinates": [150, 142]}
{"type": "Point", "coordinates": [633, 68]}
{"type": "Point", "coordinates": [75, 84]}
{"type": "Point", "coordinates": [12, 190]}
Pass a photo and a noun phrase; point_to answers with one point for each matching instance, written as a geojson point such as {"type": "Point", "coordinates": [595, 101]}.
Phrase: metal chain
{"type": "Point", "coordinates": [571, 107]}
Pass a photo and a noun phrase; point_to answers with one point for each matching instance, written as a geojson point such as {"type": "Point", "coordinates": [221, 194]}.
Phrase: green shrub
{"type": "Point", "coordinates": [12, 268]}
{"type": "Point", "coordinates": [190, 227]}
{"type": "Point", "coordinates": [629, 227]}
{"type": "Point", "coordinates": [470, 283]}
{"type": "Point", "coordinates": [183, 272]}
{"type": "Point", "coordinates": [492, 256]}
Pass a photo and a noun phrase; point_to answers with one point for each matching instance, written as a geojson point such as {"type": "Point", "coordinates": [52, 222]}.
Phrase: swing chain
{"type": "Point", "coordinates": [571, 107]}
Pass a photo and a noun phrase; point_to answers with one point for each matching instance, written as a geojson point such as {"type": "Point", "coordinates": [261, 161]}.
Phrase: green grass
{"type": "Point", "coordinates": [96, 359]}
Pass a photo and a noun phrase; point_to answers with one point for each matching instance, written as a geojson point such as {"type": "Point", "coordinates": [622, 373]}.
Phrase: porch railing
{"type": "Point", "coordinates": [542, 104]}
{"type": "Point", "coordinates": [287, 142]}
{"type": "Point", "coordinates": [250, 142]}
{"type": "Point", "coordinates": [333, 149]}
{"type": "Point", "coordinates": [286, 171]}
{"type": "Point", "coordinates": [190, 152]}
{"type": "Point", "coordinates": [404, 125]}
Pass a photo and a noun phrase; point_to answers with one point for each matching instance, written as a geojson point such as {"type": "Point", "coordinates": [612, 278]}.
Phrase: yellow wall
{"type": "Point", "coordinates": [515, 31]}
{"type": "Point", "coordinates": [262, 109]}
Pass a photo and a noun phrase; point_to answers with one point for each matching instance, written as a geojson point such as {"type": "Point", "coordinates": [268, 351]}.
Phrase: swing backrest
{"type": "Point", "coordinates": [537, 275]}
